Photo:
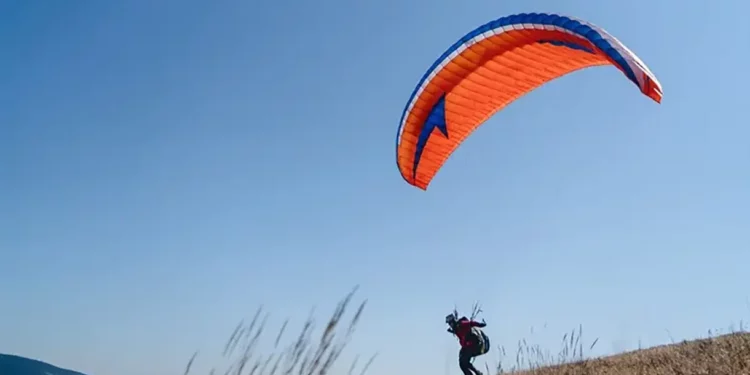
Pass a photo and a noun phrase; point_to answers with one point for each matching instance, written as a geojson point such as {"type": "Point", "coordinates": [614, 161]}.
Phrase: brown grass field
{"type": "Point", "coordinates": [718, 355]}
{"type": "Point", "coordinates": [723, 354]}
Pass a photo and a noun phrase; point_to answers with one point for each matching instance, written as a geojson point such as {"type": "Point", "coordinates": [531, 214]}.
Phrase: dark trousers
{"type": "Point", "coordinates": [464, 359]}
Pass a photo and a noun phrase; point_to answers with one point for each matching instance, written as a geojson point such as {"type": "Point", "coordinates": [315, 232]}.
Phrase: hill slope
{"type": "Point", "coordinates": [727, 354]}
{"type": "Point", "coordinates": [722, 355]}
{"type": "Point", "coordinates": [15, 365]}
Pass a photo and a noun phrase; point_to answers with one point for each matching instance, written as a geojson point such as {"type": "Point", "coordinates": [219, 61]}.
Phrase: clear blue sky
{"type": "Point", "coordinates": [166, 166]}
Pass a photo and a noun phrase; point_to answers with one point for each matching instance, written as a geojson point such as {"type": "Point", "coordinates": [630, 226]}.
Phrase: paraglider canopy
{"type": "Point", "coordinates": [489, 68]}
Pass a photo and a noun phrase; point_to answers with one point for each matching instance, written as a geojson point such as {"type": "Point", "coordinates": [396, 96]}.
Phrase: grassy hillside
{"type": "Point", "coordinates": [727, 354]}
{"type": "Point", "coordinates": [311, 353]}
{"type": "Point", "coordinates": [720, 355]}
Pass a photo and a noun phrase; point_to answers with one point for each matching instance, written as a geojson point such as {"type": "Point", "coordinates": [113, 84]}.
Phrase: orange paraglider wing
{"type": "Point", "coordinates": [492, 66]}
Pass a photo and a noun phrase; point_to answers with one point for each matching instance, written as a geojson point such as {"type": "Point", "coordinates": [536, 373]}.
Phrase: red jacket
{"type": "Point", "coordinates": [463, 332]}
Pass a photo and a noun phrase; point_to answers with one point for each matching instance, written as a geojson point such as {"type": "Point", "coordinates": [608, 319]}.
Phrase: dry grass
{"type": "Point", "coordinates": [717, 355]}
{"type": "Point", "coordinates": [304, 356]}
{"type": "Point", "coordinates": [720, 354]}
